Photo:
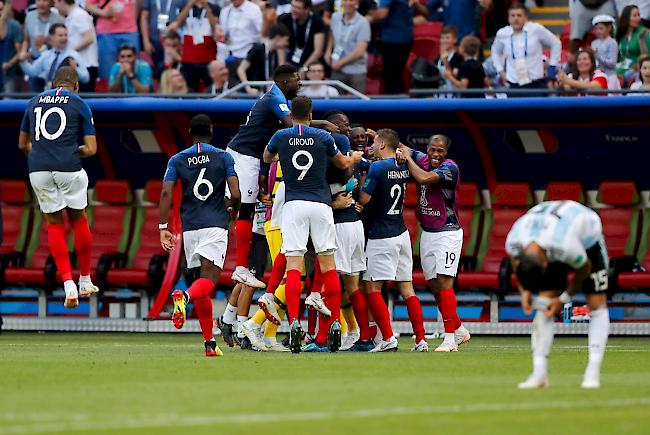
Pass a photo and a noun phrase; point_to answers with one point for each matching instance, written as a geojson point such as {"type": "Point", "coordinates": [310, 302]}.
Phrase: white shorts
{"type": "Point", "coordinates": [349, 256]}
{"type": "Point", "coordinates": [278, 203]}
{"type": "Point", "coordinates": [389, 259]}
{"type": "Point", "coordinates": [440, 253]}
{"type": "Point", "coordinates": [58, 190]}
{"type": "Point", "coordinates": [302, 219]}
{"type": "Point", "coordinates": [209, 243]}
{"type": "Point", "coordinates": [248, 172]}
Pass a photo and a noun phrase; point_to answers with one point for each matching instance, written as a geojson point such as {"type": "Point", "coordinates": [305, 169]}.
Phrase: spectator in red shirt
{"type": "Point", "coordinates": [585, 75]}
{"type": "Point", "coordinates": [197, 20]}
{"type": "Point", "coordinates": [116, 26]}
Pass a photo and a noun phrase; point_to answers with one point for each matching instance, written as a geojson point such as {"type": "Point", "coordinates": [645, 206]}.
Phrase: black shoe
{"type": "Point", "coordinates": [334, 337]}
{"type": "Point", "coordinates": [295, 337]}
{"type": "Point", "coordinates": [285, 342]}
{"type": "Point", "coordinates": [226, 332]}
{"type": "Point", "coordinates": [211, 348]}
{"type": "Point", "coordinates": [245, 344]}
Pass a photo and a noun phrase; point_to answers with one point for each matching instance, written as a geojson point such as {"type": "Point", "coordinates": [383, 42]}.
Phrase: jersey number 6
{"type": "Point", "coordinates": [304, 168]}
{"type": "Point", "coordinates": [41, 120]}
{"type": "Point", "coordinates": [199, 182]}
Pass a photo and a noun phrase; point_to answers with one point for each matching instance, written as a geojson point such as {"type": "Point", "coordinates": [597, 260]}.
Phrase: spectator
{"type": "Point", "coordinates": [396, 39]}
{"type": "Point", "coordinates": [470, 73]}
{"type": "Point", "coordinates": [241, 25]}
{"type": "Point", "coordinates": [347, 46]}
{"type": "Point", "coordinates": [606, 49]}
{"type": "Point", "coordinates": [582, 12]}
{"type": "Point", "coordinates": [307, 30]}
{"type": "Point", "coordinates": [81, 38]}
{"type": "Point", "coordinates": [316, 72]}
{"type": "Point", "coordinates": [365, 7]}
{"type": "Point", "coordinates": [155, 16]}
{"type": "Point", "coordinates": [130, 75]}
{"type": "Point", "coordinates": [449, 58]}
{"type": "Point", "coordinates": [264, 57]}
{"type": "Point", "coordinates": [51, 60]}
{"type": "Point", "coordinates": [172, 52]}
{"type": "Point", "coordinates": [172, 82]}
{"type": "Point", "coordinates": [464, 15]}
{"type": "Point", "coordinates": [11, 39]}
{"type": "Point", "coordinates": [218, 72]}
{"type": "Point", "coordinates": [643, 5]}
{"type": "Point", "coordinates": [633, 40]}
{"type": "Point", "coordinates": [585, 76]}
{"type": "Point", "coordinates": [643, 84]}
{"type": "Point", "coordinates": [37, 26]}
{"type": "Point", "coordinates": [281, 6]}
{"type": "Point", "coordinates": [197, 21]}
{"type": "Point", "coordinates": [519, 48]}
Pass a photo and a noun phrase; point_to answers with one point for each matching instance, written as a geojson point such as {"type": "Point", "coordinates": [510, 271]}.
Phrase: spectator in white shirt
{"type": "Point", "coordinates": [316, 72]}
{"type": "Point", "coordinates": [81, 38]}
{"type": "Point", "coordinates": [241, 23]}
{"type": "Point", "coordinates": [517, 52]}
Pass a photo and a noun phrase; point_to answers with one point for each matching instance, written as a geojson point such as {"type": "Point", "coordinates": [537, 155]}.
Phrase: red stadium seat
{"type": "Point", "coordinates": [565, 190]}
{"type": "Point", "coordinates": [427, 48]}
{"type": "Point", "coordinates": [16, 212]}
{"type": "Point", "coordinates": [509, 202]}
{"type": "Point", "coordinates": [635, 280]}
{"type": "Point", "coordinates": [144, 264]}
{"type": "Point", "coordinates": [411, 197]}
{"type": "Point", "coordinates": [621, 218]}
{"type": "Point", "coordinates": [469, 215]}
{"type": "Point", "coordinates": [431, 29]}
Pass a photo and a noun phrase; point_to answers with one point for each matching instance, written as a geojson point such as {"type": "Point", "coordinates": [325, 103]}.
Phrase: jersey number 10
{"type": "Point", "coordinates": [41, 119]}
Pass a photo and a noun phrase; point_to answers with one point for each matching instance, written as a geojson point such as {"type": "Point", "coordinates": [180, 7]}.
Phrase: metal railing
{"type": "Point", "coordinates": [261, 84]}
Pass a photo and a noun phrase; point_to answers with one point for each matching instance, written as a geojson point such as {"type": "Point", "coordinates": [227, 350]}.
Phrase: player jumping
{"type": "Point", "coordinates": [203, 171]}
{"type": "Point", "coordinates": [49, 135]}
{"type": "Point", "coordinates": [442, 235]}
{"type": "Point", "coordinates": [549, 241]}
{"type": "Point", "coordinates": [304, 152]}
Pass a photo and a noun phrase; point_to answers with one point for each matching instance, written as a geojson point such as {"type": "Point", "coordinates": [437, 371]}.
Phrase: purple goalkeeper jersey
{"type": "Point", "coordinates": [438, 203]}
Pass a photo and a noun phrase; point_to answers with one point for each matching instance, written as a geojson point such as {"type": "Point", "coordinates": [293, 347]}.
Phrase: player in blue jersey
{"type": "Point", "coordinates": [204, 171]}
{"type": "Point", "coordinates": [307, 213]}
{"type": "Point", "coordinates": [388, 252]}
{"type": "Point", "coordinates": [549, 241]}
{"type": "Point", "coordinates": [54, 124]}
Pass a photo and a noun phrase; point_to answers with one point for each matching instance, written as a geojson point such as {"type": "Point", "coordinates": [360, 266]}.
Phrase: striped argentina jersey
{"type": "Point", "coordinates": [564, 229]}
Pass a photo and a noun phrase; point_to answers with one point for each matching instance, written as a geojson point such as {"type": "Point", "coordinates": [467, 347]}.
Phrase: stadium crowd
{"type": "Point", "coordinates": [134, 46]}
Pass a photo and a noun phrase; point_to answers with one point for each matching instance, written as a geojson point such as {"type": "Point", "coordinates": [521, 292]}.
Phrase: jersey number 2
{"type": "Point", "coordinates": [41, 119]}
{"type": "Point", "coordinates": [199, 182]}
{"type": "Point", "coordinates": [304, 168]}
{"type": "Point", "coordinates": [395, 194]}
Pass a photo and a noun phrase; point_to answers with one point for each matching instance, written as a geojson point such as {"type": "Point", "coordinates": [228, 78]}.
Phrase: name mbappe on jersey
{"type": "Point", "coordinates": [304, 154]}
{"type": "Point", "coordinates": [203, 170]}
{"type": "Point", "coordinates": [386, 183]}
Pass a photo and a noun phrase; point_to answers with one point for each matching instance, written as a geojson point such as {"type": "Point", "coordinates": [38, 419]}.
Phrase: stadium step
{"type": "Point", "coordinates": [553, 17]}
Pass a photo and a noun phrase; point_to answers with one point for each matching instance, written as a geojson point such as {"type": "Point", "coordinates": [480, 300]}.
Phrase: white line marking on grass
{"type": "Point", "coordinates": [90, 423]}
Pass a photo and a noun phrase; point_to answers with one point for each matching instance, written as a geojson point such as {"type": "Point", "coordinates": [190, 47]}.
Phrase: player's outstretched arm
{"type": "Point", "coordinates": [24, 142]}
{"type": "Point", "coordinates": [326, 125]}
{"type": "Point", "coordinates": [235, 196]}
{"type": "Point", "coordinates": [345, 162]}
{"type": "Point", "coordinates": [89, 148]}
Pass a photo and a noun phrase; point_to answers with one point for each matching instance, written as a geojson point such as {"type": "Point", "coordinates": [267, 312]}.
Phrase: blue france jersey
{"type": "Point", "coordinates": [56, 120]}
{"type": "Point", "coordinates": [304, 154]}
{"type": "Point", "coordinates": [203, 170]}
{"type": "Point", "coordinates": [386, 182]}
{"type": "Point", "coordinates": [264, 119]}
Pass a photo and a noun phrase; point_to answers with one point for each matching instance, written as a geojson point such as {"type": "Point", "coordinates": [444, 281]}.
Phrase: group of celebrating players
{"type": "Point", "coordinates": [331, 210]}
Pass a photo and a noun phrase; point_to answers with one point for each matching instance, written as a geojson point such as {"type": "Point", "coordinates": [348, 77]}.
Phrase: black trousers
{"type": "Point", "coordinates": [536, 84]}
{"type": "Point", "coordinates": [394, 57]}
{"type": "Point", "coordinates": [194, 73]}
{"type": "Point", "coordinates": [93, 72]}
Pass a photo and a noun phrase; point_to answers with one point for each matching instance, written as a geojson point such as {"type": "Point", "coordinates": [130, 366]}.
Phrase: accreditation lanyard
{"type": "Point", "coordinates": [307, 30]}
{"type": "Point", "coordinates": [512, 44]}
{"type": "Point", "coordinates": [166, 12]}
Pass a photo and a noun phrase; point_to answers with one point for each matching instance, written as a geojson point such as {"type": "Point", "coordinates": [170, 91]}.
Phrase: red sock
{"type": "Point", "coordinates": [292, 292]}
{"type": "Point", "coordinates": [360, 308]}
{"type": "Point", "coordinates": [373, 330]}
{"type": "Point", "coordinates": [83, 244]}
{"type": "Point", "coordinates": [332, 297]}
{"type": "Point", "coordinates": [312, 315]}
{"type": "Point", "coordinates": [200, 288]}
{"type": "Point", "coordinates": [447, 308]}
{"type": "Point", "coordinates": [203, 308]}
{"type": "Point", "coordinates": [415, 315]}
{"type": "Point", "coordinates": [59, 249]}
{"type": "Point", "coordinates": [379, 311]}
{"type": "Point", "coordinates": [317, 285]}
{"type": "Point", "coordinates": [277, 273]}
{"type": "Point", "coordinates": [244, 235]}
{"type": "Point", "coordinates": [323, 329]}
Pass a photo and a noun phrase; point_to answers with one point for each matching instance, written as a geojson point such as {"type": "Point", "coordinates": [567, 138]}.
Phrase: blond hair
{"type": "Point", "coordinates": [166, 86]}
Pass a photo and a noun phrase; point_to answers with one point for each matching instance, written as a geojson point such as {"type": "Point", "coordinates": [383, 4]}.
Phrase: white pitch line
{"type": "Point", "coordinates": [177, 420]}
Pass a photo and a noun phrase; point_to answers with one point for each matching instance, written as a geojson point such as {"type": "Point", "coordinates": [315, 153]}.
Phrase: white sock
{"type": "Point", "coordinates": [84, 279]}
{"type": "Point", "coordinates": [270, 341]}
{"type": "Point", "coordinates": [598, 332]}
{"type": "Point", "coordinates": [240, 320]}
{"type": "Point", "coordinates": [70, 289]}
{"type": "Point", "coordinates": [541, 341]}
{"type": "Point", "coordinates": [229, 314]}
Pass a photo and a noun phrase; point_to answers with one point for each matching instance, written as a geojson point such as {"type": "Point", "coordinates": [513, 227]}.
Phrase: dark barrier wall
{"type": "Point", "coordinates": [588, 139]}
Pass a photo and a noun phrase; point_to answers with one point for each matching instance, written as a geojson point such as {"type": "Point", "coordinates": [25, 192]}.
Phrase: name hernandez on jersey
{"type": "Point", "coordinates": [386, 183]}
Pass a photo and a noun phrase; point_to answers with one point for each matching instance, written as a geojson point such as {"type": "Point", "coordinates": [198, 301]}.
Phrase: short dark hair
{"type": "Point", "coordinates": [530, 271]}
{"type": "Point", "coordinates": [55, 26]}
{"type": "Point", "coordinates": [70, 2]}
{"type": "Point", "coordinates": [66, 75]}
{"type": "Point", "coordinates": [124, 47]}
{"type": "Point", "coordinates": [307, 3]}
{"type": "Point", "coordinates": [284, 72]}
{"type": "Point", "coordinates": [471, 45]}
{"type": "Point", "coordinates": [201, 126]}
{"type": "Point", "coordinates": [356, 125]}
{"type": "Point", "coordinates": [301, 108]}
{"type": "Point", "coordinates": [436, 137]}
{"type": "Point", "coordinates": [520, 6]}
{"type": "Point", "coordinates": [172, 34]}
{"type": "Point", "coordinates": [333, 114]}
{"type": "Point", "coordinates": [449, 29]}
{"type": "Point", "coordinates": [278, 29]}
{"type": "Point", "coordinates": [390, 137]}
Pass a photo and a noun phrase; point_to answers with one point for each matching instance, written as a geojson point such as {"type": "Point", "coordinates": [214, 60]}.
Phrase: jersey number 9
{"type": "Point", "coordinates": [304, 168]}
{"type": "Point", "coordinates": [41, 120]}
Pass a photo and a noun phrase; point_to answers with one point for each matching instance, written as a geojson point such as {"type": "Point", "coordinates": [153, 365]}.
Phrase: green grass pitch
{"type": "Point", "coordinates": [162, 384]}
